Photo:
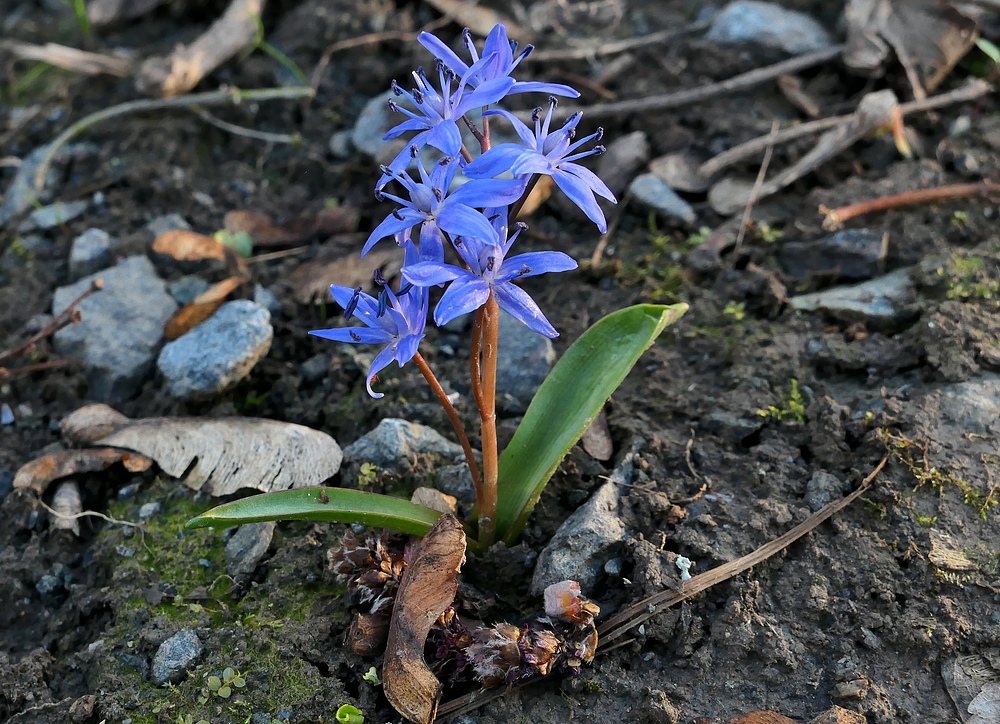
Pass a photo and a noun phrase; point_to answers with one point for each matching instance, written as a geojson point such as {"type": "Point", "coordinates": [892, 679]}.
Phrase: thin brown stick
{"type": "Point", "coordinates": [224, 96]}
{"type": "Point", "coordinates": [456, 422]}
{"type": "Point", "coordinates": [618, 46]}
{"type": "Point", "coordinates": [631, 617]}
{"type": "Point", "coordinates": [835, 218]}
{"type": "Point", "coordinates": [602, 244]}
{"type": "Point", "coordinates": [696, 95]}
{"type": "Point", "coordinates": [757, 184]}
{"type": "Point", "coordinates": [57, 364]}
{"type": "Point", "coordinates": [271, 256]}
{"type": "Point", "coordinates": [488, 415]}
{"type": "Point", "coordinates": [975, 88]}
{"type": "Point", "coordinates": [63, 319]}
{"type": "Point", "coordinates": [67, 58]}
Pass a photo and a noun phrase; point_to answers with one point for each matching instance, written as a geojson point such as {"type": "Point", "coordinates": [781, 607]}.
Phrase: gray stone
{"type": "Point", "coordinates": [187, 288]}
{"type": "Point", "coordinates": [396, 442]}
{"type": "Point", "coordinates": [175, 656]}
{"type": "Point", "coordinates": [583, 544]}
{"type": "Point", "coordinates": [6, 483]}
{"type": "Point", "coordinates": [770, 25]}
{"type": "Point", "coordinates": [625, 155]}
{"type": "Point", "coordinates": [167, 222]}
{"type": "Point", "coordinates": [823, 488]}
{"type": "Point", "coordinates": [315, 368]}
{"type": "Point", "coordinates": [972, 407]}
{"type": "Point", "coordinates": [49, 584]}
{"type": "Point", "coordinates": [373, 122]}
{"type": "Point", "coordinates": [21, 194]}
{"type": "Point", "coordinates": [652, 192]}
{"type": "Point", "coordinates": [121, 328]}
{"type": "Point", "coordinates": [340, 144]}
{"type": "Point", "coordinates": [54, 215]}
{"type": "Point", "coordinates": [37, 323]}
{"type": "Point", "coordinates": [854, 254]}
{"type": "Point", "coordinates": [6, 415]}
{"type": "Point", "coordinates": [247, 546]}
{"type": "Point", "coordinates": [150, 510]}
{"type": "Point", "coordinates": [884, 300]}
{"type": "Point", "coordinates": [91, 251]}
{"type": "Point", "coordinates": [218, 353]}
{"type": "Point", "coordinates": [730, 426]}
{"type": "Point", "coordinates": [266, 298]}
{"type": "Point", "coordinates": [524, 359]}
{"type": "Point", "coordinates": [456, 481]}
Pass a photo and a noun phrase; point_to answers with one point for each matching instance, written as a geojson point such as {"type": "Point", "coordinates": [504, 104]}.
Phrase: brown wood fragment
{"type": "Point", "coordinates": [265, 232]}
{"type": "Point", "coordinates": [90, 423]}
{"type": "Point", "coordinates": [428, 587]}
{"type": "Point", "coordinates": [38, 474]}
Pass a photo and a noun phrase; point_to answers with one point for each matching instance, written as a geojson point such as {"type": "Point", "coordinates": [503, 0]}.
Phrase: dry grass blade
{"type": "Point", "coordinates": [72, 59]}
{"type": "Point", "coordinates": [835, 218]}
{"type": "Point", "coordinates": [428, 587]}
{"type": "Point", "coordinates": [634, 615]}
{"type": "Point", "coordinates": [232, 33]}
{"type": "Point", "coordinates": [105, 12]}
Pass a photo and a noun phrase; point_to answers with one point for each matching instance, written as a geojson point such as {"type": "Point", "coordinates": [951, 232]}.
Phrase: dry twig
{"type": "Point", "coordinates": [67, 58]}
{"type": "Point", "coordinates": [835, 218]}
{"type": "Point", "coordinates": [220, 97]}
{"type": "Point", "coordinates": [615, 47]}
{"type": "Point", "coordinates": [70, 315]}
{"type": "Point", "coordinates": [756, 189]}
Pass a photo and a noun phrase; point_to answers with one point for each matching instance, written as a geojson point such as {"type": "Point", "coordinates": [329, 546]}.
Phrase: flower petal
{"type": "Point", "coordinates": [487, 192]}
{"type": "Point", "coordinates": [438, 49]}
{"type": "Point", "coordinates": [392, 225]}
{"type": "Point", "coordinates": [413, 124]}
{"type": "Point", "coordinates": [431, 245]}
{"type": "Point", "coordinates": [552, 89]}
{"type": "Point", "coordinates": [445, 137]}
{"type": "Point", "coordinates": [459, 220]}
{"type": "Point", "coordinates": [488, 93]}
{"type": "Point", "coordinates": [581, 195]}
{"type": "Point", "coordinates": [354, 335]}
{"type": "Point", "coordinates": [381, 361]}
{"type": "Point", "coordinates": [406, 348]}
{"type": "Point", "coordinates": [516, 302]}
{"type": "Point", "coordinates": [526, 134]}
{"type": "Point", "coordinates": [591, 179]}
{"type": "Point", "coordinates": [462, 296]}
{"type": "Point", "coordinates": [532, 162]}
{"type": "Point", "coordinates": [430, 273]}
{"type": "Point", "coordinates": [535, 262]}
{"type": "Point", "coordinates": [496, 161]}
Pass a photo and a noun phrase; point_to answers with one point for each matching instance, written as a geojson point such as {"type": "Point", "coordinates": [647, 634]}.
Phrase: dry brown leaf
{"type": "Point", "coordinates": [435, 500]}
{"type": "Point", "coordinates": [479, 20]}
{"type": "Point", "coordinates": [928, 37]}
{"type": "Point", "coordinates": [538, 196]}
{"type": "Point", "coordinates": [311, 282]}
{"type": "Point", "coordinates": [38, 474]}
{"type": "Point", "coordinates": [204, 306]}
{"type": "Point", "coordinates": [231, 453]}
{"type": "Point", "coordinates": [839, 715]}
{"type": "Point", "coordinates": [428, 587]}
{"type": "Point", "coordinates": [761, 717]}
{"type": "Point", "coordinates": [189, 246]}
{"type": "Point", "coordinates": [90, 423]}
{"type": "Point", "coordinates": [264, 232]}
{"type": "Point", "coordinates": [232, 33]}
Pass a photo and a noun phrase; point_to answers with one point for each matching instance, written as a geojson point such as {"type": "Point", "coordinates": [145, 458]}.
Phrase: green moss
{"type": "Point", "coordinates": [791, 408]}
{"type": "Point", "coordinates": [969, 277]}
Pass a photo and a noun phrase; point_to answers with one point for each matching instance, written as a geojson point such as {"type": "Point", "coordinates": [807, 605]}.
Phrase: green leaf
{"type": "Point", "coordinates": [348, 714]}
{"type": "Point", "coordinates": [568, 401]}
{"type": "Point", "coordinates": [340, 506]}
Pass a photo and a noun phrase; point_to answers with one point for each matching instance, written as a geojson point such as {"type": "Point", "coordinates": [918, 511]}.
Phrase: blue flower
{"type": "Point", "coordinates": [431, 205]}
{"type": "Point", "coordinates": [395, 320]}
{"type": "Point", "coordinates": [551, 154]}
{"type": "Point", "coordinates": [437, 113]}
{"type": "Point", "coordinates": [490, 272]}
{"type": "Point", "coordinates": [501, 62]}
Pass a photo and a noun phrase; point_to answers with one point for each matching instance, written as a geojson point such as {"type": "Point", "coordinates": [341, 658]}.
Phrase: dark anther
{"type": "Point", "coordinates": [379, 196]}
{"type": "Point", "coordinates": [598, 150]}
{"type": "Point", "coordinates": [457, 241]}
{"type": "Point", "coordinates": [393, 106]}
{"type": "Point", "coordinates": [553, 101]}
{"type": "Point", "coordinates": [414, 151]}
{"type": "Point", "coordinates": [449, 74]}
{"type": "Point", "coordinates": [378, 278]}
{"type": "Point", "coordinates": [355, 336]}
{"type": "Point", "coordinates": [467, 38]}
{"type": "Point", "coordinates": [439, 65]}
{"type": "Point", "coordinates": [396, 89]}
{"type": "Point", "coordinates": [396, 213]}
{"type": "Point", "coordinates": [438, 194]}
{"type": "Point", "coordinates": [490, 261]}
{"type": "Point", "coordinates": [383, 303]}
{"type": "Point", "coordinates": [520, 226]}
{"type": "Point", "coordinates": [353, 304]}
{"type": "Point", "coordinates": [600, 134]}
{"type": "Point", "coordinates": [571, 133]}
{"type": "Point", "coordinates": [418, 96]}
{"type": "Point", "coordinates": [524, 270]}
{"type": "Point", "coordinates": [526, 52]}
{"type": "Point", "coordinates": [404, 289]}
{"type": "Point", "coordinates": [386, 170]}
{"type": "Point", "coordinates": [536, 115]}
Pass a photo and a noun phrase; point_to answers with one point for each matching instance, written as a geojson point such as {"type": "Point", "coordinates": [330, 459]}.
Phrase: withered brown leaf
{"type": "Point", "coordinates": [428, 587]}
{"type": "Point", "coordinates": [39, 473]}
{"type": "Point", "coordinates": [202, 307]}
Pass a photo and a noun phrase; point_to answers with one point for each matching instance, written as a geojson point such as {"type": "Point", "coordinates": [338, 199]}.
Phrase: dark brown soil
{"type": "Point", "coordinates": [855, 614]}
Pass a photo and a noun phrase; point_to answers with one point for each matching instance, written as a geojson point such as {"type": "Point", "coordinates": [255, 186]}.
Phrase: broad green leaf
{"type": "Point", "coordinates": [568, 401]}
{"type": "Point", "coordinates": [340, 506]}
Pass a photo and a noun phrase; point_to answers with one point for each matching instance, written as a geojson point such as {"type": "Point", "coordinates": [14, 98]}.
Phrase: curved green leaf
{"type": "Point", "coordinates": [568, 401]}
{"type": "Point", "coordinates": [340, 506]}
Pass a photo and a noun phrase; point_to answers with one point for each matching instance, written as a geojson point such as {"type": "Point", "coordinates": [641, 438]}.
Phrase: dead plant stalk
{"type": "Point", "coordinates": [835, 218]}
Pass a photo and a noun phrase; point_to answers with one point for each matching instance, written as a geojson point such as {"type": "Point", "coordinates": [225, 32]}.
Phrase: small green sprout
{"type": "Point", "coordinates": [960, 219]}
{"type": "Point", "coordinates": [768, 234]}
{"type": "Point", "coordinates": [366, 475]}
{"type": "Point", "coordinates": [736, 310]}
{"type": "Point", "coordinates": [348, 714]}
{"type": "Point", "coordinates": [699, 236]}
{"type": "Point", "coordinates": [240, 241]}
{"type": "Point", "coordinates": [371, 676]}
{"type": "Point", "coordinates": [794, 408]}
{"type": "Point", "coordinates": [223, 686]}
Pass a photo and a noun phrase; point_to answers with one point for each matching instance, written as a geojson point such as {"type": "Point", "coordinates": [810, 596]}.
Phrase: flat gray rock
{"type": "Point", "coordinates": [175, 656]}
{"type": "Point", "coordinates": [91, 251]}
{"type": "Point", "coordinates": [53, 215]}
{"type": "Point", "coordinates": [167, 222]}
{"type": "Point", "coordinates": [185, 289]}
{"type": "Point", "coordinates": [247, 546]}
{"type": "Point", "coordinates": [851, 254]}
{"type": "Point", "coordinates": [651, 191]}
{"type": "Point", "coordinates": [884, 299]}
{"type": "Point", "coordinates": [121, 329]}
{"type": "Point", "coordinates": [21, 194]}
{"type": "Point", "coordinates": [769, 25]}
{"type": "Point", "coordinates": [218, 353]}
{"type": "Point", "coordinates": [524, 359]}
{"type": "Point", "coordinates": [395, 442]}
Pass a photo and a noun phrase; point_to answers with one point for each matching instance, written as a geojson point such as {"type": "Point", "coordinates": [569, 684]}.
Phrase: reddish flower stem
{"type": "Point", "coordinates": [475, 372]}
{"type": "Point", "coordinates": [835, 218]}
{"type": "Point", "coordinates": [449, 409]}
{"type": "Point", "coordinates": [488, 511]}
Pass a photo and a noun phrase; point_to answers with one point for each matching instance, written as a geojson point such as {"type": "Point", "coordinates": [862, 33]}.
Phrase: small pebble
{"type": "Point", "coordinates": [149, 510]}
{"type": "Point", "coordinates": [6, 415]}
